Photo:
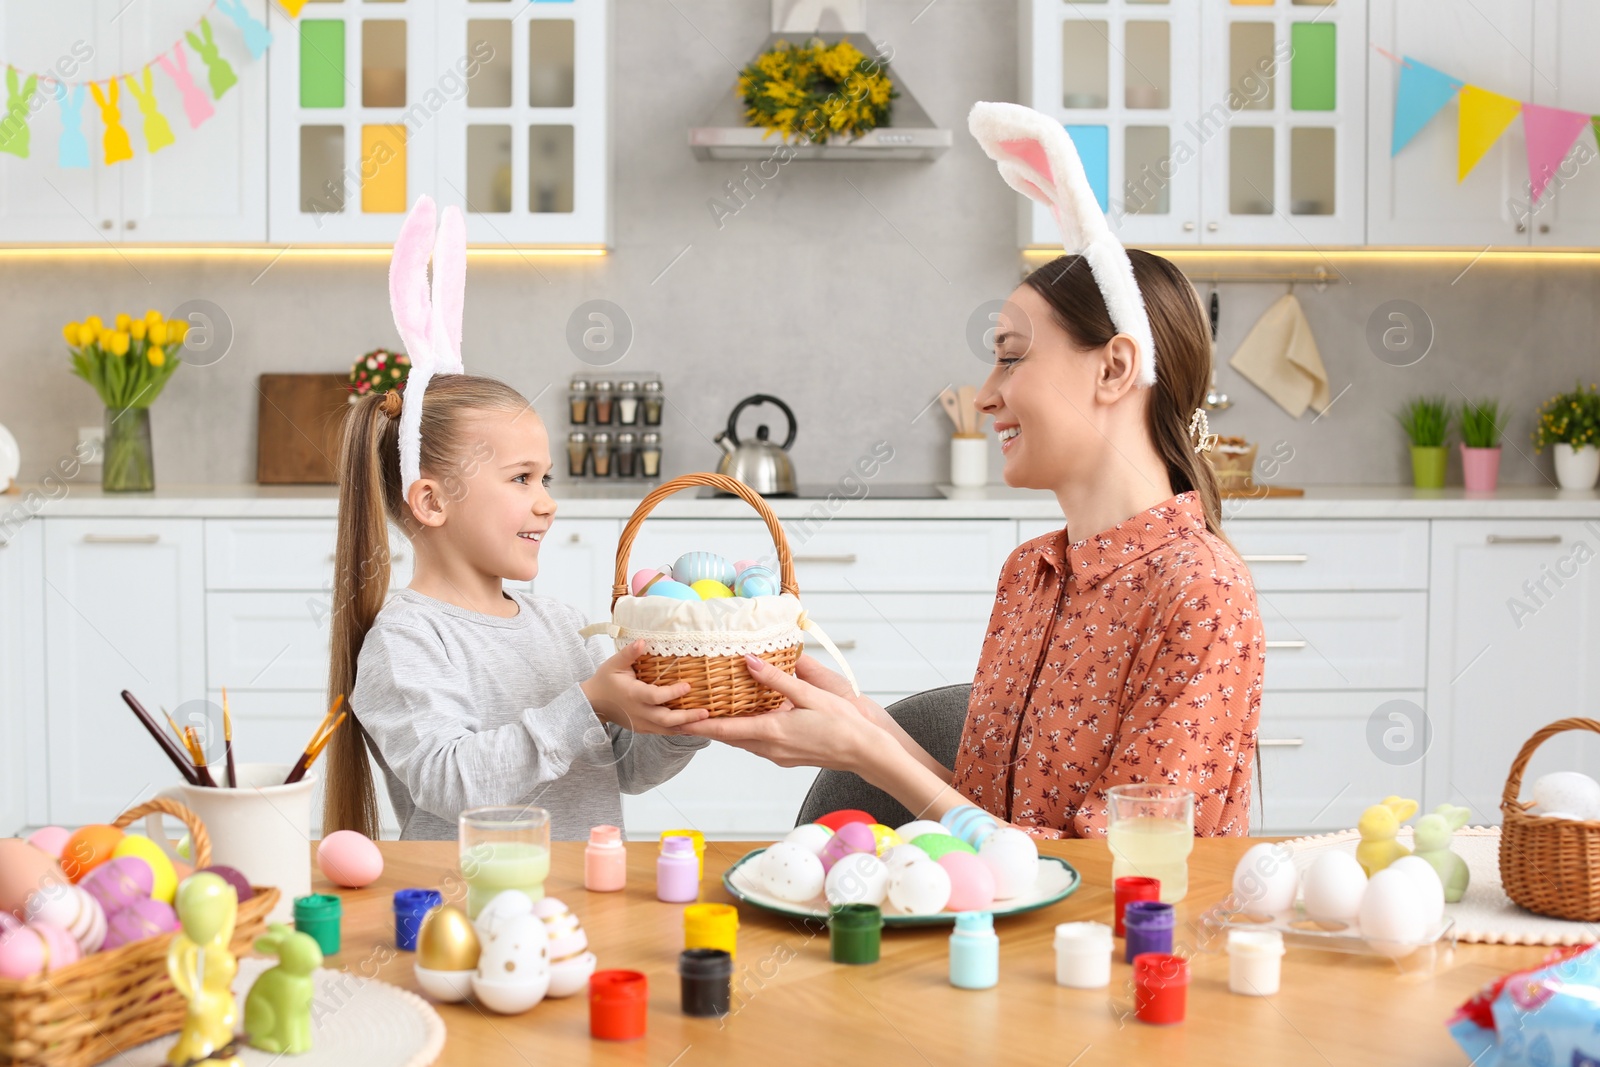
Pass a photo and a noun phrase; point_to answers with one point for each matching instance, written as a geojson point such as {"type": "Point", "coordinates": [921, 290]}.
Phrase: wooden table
{"type": "Point", "coordinates": [792, 1005]}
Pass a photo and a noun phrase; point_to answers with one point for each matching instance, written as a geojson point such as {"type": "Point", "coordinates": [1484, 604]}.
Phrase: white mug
{"type": "Point", "coordinates": [262, 829]}
{"type": "Point", "coordinates": [969, 460]}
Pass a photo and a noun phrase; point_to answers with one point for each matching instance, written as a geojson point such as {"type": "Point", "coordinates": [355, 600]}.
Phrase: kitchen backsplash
{"type": "Point", "coordinates": [845, 289]}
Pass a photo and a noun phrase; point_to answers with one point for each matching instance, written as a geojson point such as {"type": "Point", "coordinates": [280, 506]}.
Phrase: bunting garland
{"type": "Point", "coordinates": [1482, 117]}
{"type": "Point", "coordinates": [72, 151]}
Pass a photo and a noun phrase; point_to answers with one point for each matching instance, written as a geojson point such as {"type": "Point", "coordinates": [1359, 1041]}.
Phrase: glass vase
{"type": "Point", "coordinates": [129, 463]}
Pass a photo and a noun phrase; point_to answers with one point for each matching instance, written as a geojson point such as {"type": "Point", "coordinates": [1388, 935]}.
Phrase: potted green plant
{"type": "Point", "coordinates": [1481, 426]}
{"type": "Point", "coordinates": [1426, 421]}
{"type": "Point", "coordinates": [1571, 422]}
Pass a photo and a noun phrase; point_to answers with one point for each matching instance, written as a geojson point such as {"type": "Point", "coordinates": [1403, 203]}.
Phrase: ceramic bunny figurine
{"type": "Point", "coordinates": [1434, 832]}
{"type": "Point", "coordinates": [202, 969]}
{"type": "Point", "coordinates": [1378, 827]}
{"type": "Point", "coordinates": [277, 1012]}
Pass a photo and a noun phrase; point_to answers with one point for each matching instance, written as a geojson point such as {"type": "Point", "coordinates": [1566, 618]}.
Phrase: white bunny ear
{"type": "Point", "coordinates": [408, 282]}
{"type": "Point", "coordinates": [1037, 158]}
{"type": "Point", "coordinates": [449, 291]}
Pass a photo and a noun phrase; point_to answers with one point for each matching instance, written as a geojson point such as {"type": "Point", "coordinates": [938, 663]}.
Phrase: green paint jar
{"type": "Point", "coordinates": [319, 915]}
{"type": "Point", "coordinates": [854, 932]}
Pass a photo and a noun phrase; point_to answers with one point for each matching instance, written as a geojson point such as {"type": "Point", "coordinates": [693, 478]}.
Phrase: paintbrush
{"type": "Point", "coordinates": [162, 739]}
{"type": "Point", "coordinates": [198, 753]}
{"type": "Point", "coordinates": [227, 740]}
{"type": "Point", "coordinates": [298, 771]}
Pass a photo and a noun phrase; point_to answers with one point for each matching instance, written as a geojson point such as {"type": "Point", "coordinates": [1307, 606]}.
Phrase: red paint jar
{"type": "Point", "coordinates": [1125, 890]}
{"type": "Point", "coordinates": [1160, 987]}
{"type": "Point", "coordinates": [617, 1004]}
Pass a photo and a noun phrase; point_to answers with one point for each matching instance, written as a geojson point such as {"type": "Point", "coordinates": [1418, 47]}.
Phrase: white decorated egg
{"type": "Point", "coordinates": [1393, 909]}
{"type": "Point", "coordinates": [859, 878]}
{"type": "Point", "coordinates": [1013, 859]}
{"type": "Point", "coordinates": [813, 837]}
{"type": "Point", "coordinates": [504, 906]}
{"type": "Point", "coordinates": [514, 967]}
{"type": "Point", "coordinates": [695, 566]}
{"type": "Point", "coordinates": [571, 962]}
{"type": "Point", "coordinates": [913, 830]}
{"type": "Point", "coordinates": [1429, 886]}
{"type": "Point", "coordinates": [72, 908]}
{"type": "Point", "coordinates": [1568, 791]}
{"type": "Point", "coordinates": [903, 856]}
{"type": "Point", "coordinates": [1333, 886]}
{"type": "Point", "coordinates": [791, 872]}
{"type": "Point", "coordinates": [1265, 880]}
{"type": "Point", "coordinates": [919, 889]}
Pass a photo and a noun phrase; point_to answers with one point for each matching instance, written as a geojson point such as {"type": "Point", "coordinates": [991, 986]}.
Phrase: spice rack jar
{"type": "Point", "coordinates": [614, 428]}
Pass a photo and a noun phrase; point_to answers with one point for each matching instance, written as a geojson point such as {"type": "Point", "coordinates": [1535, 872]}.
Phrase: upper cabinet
{"type": "Point", "coordinates": [497, 106]}
{"type": "Point", "coordinates": [1219, 123]}
{"type": "Point", "coordinates": [205, 184]}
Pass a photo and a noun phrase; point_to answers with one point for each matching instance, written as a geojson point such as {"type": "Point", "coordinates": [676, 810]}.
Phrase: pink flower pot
{"type": "Point", "coordinates": [1480, 468]}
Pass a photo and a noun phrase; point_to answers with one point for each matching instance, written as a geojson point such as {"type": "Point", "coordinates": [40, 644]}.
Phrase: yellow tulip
{"type": "Point", "coordinates": [158, 333]}
{"type": "Point", "coordinates": [71, 332]}
{"type": "Point", "coordinates": [137, 329]}
{"type": "Point", "coordinates": [94, 323]}
{"type": "Point", "coordinates": [153, 316]}
{"type": "Point", "coordinates": [102, 337]}
{"type": "Point", "coordinates": [123, 320]}
{"type": "Point", "coordinates": [177, 330]}
{"type": "Point", "coordinates": [156, 356]}
{"type": "Point", "coordinates": [119, 343]}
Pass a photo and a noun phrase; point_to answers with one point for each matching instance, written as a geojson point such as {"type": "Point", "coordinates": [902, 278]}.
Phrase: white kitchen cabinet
{"type": "Point", "coordinates": [1413, 198]}
{"type": "Point", "coordinates": [124, 608]}
{"type": "Point", "coordinates": [286, 554]}
{"type": "Point", "coordinates": [1330, 641]}
{"type": "Point", "coordinates": [725, 792]}
{"type": "Point", "coordinates": [1566, 76]}
{"type": "Point", "coordinates": [208, 185]}
{"type": "Point", "coordinates": [1515, 625]}
{"type": "Point", "coordinates": [23, 744]}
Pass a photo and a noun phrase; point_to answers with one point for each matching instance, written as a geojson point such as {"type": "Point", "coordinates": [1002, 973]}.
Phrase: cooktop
{"type": "Point", "coordinates": [859, 491]}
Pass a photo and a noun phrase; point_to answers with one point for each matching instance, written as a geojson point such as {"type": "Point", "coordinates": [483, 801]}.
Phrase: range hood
{"type": "Point", "coordinates": [912, 135]}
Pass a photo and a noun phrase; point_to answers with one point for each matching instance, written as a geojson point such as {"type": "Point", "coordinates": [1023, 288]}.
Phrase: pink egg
{"type": "Point", "coordinates": [740, 565]}
{"type": "Point", "coordinates": [27, 950]}
{"type": "Point", "coordinates": [118, 883]}
{"type": "Point", "coordinates": [644, 576]}
{"type": "Point", "coordinates": [142, 919]}
{"type": "Point", "coordinates": [851, 837]}
{"type": "Point", "coordinates": [971, 882]}
{"type": "Point", "coordinates": [349, 858]}
{"type": "Point", "coordinates": [50, 839]}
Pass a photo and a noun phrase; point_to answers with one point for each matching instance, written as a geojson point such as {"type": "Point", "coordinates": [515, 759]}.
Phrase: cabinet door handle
{"type": "Point", "coordinates": [131, 224]}
{"type": "Point", "coordinates": [843, 646]}
{"type": "Point", "coordinates": [1537, 539]}
{"type": "Point", "coordinates": [121, 539]}
{"type": "Point", "coordinates": [1280, 742]}
{"type": "Point", "coordinates": [1286, 644]}
{"type": "Point", "coordinates": [1281, 557]}
{"type": "Point", "coordinates": [847, 557]}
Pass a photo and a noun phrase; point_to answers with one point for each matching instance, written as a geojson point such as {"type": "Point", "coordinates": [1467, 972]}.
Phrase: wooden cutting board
{"type": "Point", "coordinates": [298, 426]}
{"type": "Point", "coordinates": [1262, 490]}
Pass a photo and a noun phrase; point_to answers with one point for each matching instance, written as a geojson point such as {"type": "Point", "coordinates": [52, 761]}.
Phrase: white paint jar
{"type": "Point", "coordinates": [1255, 962]}
{"type": "Point", "coordinates": [1083, 955]}
{"type": "Point", "coordinates": [969, 460]}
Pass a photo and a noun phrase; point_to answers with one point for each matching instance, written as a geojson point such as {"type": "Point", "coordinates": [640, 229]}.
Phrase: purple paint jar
{"type": "Point", "coordinates": [1148, 927]}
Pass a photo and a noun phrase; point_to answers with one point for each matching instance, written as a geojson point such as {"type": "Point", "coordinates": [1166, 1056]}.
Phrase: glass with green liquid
{"type": "Point", "coordinates": [504, 848]}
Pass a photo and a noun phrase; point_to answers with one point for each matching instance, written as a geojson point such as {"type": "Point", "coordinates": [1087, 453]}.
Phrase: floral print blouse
{"type": "Point", "coordinates": [1128, 657]}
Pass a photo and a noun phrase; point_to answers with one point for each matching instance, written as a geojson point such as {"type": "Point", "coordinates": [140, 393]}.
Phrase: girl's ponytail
{"type": "Point", "coordinates": [368, 448]}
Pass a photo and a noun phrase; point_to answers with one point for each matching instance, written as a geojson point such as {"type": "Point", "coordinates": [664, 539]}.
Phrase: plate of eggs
{"type": "Point", "coordinates": [920, 874]}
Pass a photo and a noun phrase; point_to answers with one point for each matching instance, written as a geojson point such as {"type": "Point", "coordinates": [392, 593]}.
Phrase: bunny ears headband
{"type": "Point", "coordinates": [429, 323]}
{"type": "Point", "coordinates": [1037, 158]}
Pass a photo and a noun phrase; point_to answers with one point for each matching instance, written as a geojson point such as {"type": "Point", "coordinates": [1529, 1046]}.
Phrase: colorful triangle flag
{"type": "Point", "coordinates": [1551, 133]}
{"type": "Point", "coordinates": [292, 7]}
{"type": "Point", "coordinates": [1484, 117]}
{"type": "Point", "coordinates": [1423, 91]}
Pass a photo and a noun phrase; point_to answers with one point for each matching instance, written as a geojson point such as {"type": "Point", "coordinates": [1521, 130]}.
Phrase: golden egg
{"type": "Point", "coordinates": [447, 941]}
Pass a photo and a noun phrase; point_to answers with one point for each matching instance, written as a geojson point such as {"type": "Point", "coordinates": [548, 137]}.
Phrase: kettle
{"type": "Point", "coordinates": [760, 464]}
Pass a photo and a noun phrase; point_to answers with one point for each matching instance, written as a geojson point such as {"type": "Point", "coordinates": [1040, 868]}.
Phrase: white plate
{"type": "Point", "coordinates": [1057, 880]}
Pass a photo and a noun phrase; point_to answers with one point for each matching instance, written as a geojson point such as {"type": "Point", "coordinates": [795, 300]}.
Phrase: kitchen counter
{"type": "Point", "coordinates": [990, 502]}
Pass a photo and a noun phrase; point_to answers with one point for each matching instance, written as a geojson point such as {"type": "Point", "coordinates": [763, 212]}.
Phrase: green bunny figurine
{"type": "Point", "coordinates": [1433, 834]}
{"type": "Point", "coordinates": [277, 1012]}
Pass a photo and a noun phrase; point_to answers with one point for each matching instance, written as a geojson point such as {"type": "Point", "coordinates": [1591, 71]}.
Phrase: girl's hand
{"type": "Point", "coordinates": [813, 728]}
{"type": "Point", "coordinates": [619, 697]}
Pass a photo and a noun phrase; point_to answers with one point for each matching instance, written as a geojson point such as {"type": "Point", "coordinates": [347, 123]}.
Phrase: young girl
{"type": "Point", "coordinates": [1123, 649]}
{"type": "Point", "coordinates": [464, 693]}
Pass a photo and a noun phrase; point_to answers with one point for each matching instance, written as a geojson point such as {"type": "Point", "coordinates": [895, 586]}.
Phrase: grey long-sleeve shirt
{"type": "Point", "coordinates": [466, 709]}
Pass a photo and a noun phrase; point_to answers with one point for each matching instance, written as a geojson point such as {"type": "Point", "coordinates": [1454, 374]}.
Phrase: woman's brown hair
{"type": "Point", "coordinates": [369, 499]}
{"type": "Point", "coordinates": [1183, 355]}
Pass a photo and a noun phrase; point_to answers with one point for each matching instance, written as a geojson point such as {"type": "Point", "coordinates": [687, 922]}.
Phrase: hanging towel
{"type": "Point", "coordinates": [1279, 356]}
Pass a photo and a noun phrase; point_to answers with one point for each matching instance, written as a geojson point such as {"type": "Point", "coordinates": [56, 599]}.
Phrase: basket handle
{"type": "Point", "coordinates": [619, 587]}
{"type": "Point", "coordinates": [164, 806]}
{"type": "Point", "coordinates": [1508, 799]}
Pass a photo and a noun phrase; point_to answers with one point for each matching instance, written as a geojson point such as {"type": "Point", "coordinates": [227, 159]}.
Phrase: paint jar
{"type": "Point", "coordinates": [319, 915]}
{"type": "Point", "coordinates": [1127, 890]}
{"type": "Point", "coordinates": [677, 871]}
{"type": "Point", "coordinates": [699, 840]}
{"type": "Point", "coordinates": [1149, 928]}
{"type": "Point", "coordinates": [605, 860]}
{"type": "Point", "coordinates": [410, 905]}
{"type": "Point", "coordinates": [974, 951]}
{"type": "Point", "coordinates": [618, 1002]}
{"type": "Point", "coordinates": [705, 981]}
{"type": "Point", "coordinates": [1083, 955]}
{"type": "Point", "coordinates": [854, 933]}
{"type": "Point", "coordinates": [712, 926]}
{"type": "Point", "coordinates": [1255, 962]}
{"type": "Point", "coordinates": [1160, 988]}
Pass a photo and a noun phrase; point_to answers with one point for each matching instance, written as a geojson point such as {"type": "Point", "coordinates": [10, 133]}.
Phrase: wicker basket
{"type": "Point", "coordinates": [110, 1001]}
{"type": "Point", "coordinates": [1549, 866]}
{"type": "Point", "coordinates": [720, 684]}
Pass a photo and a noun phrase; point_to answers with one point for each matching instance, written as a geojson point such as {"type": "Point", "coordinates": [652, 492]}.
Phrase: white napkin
{"type": "Point", "coordinates": [1279, 356]}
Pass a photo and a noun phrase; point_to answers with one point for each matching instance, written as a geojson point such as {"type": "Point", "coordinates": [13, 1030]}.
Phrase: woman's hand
{"type": "Point", "coordinates": [815, 727]}
{"type": "Point", "coordinates": [811, 671]}
{"type": "Point", "coordinates": [619, 697]}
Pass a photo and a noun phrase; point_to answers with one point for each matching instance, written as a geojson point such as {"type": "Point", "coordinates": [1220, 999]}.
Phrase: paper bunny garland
{"type": "Point", "coordinates": [429, 324]}
{"type": "Point", "coordinates": [1037, 158]}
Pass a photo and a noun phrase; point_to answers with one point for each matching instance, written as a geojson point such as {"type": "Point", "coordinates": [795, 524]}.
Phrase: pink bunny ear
{"type": "Point", "coordinates": [408, 283]}
{"type": "Point", "coordinates": [449, 291]}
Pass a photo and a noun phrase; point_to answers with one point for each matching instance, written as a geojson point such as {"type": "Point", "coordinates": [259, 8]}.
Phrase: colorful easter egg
{"type": "Point", "coordinates": [644, 578]}
{"type": "Point", "coordinates": [142, 919]}
{"type": "Point", "coordinates": [710, 589]}
{"type": "Point", "coordinates": [742, 565]}
{"type": "Point", "coordinates": [165, 877]}
{"type": "Point", "coordinates": [940, 845]}
{"type": "Point", "coordinates": [119, 883]}
{"type": "Point", "coordinates": [971, 882]}
{"type": "Point", "coordinates": [24, 869]}
{"type": "Point", "coordinates": [87, 848]}
{"type": "Point", "coordinates": [757, 581]}
{"type": "Point", "coordinates": [349, 859]}
{"type": "Point", "coordinates": [676, 590]}
{"type": "Point", "coordinates": [835, 819]}
{"type": "Point", "coordinates": [851, 837]}
{"type": "Point", "coordinates": [50, 839]}
{"type": "Point", "coordinates": [241, 884]}
{"type": "Point", "coordinates": [693, 566]}
{"type": "Point", "coordinates": [885, 837]}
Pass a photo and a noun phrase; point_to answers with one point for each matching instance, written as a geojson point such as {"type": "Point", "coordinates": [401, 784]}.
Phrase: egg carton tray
{"type": "Point", "coordinates": [1301, 931]}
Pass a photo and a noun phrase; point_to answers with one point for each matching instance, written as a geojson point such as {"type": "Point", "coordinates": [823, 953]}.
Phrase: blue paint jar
{"type": "Point", "coordinates": [410, 905]}
{"type": "Point", "coordinates": [974, 951]}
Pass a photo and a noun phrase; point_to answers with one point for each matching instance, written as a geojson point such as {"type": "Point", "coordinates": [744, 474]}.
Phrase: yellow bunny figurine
{"type": "Point", "coordinates": [202, 968]}
{"type": "Point", "coordinates": [1378, 826]}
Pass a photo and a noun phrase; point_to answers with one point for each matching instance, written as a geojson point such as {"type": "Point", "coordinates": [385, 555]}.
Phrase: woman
{"type": "Point", "coordinates": [1125, 648]}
